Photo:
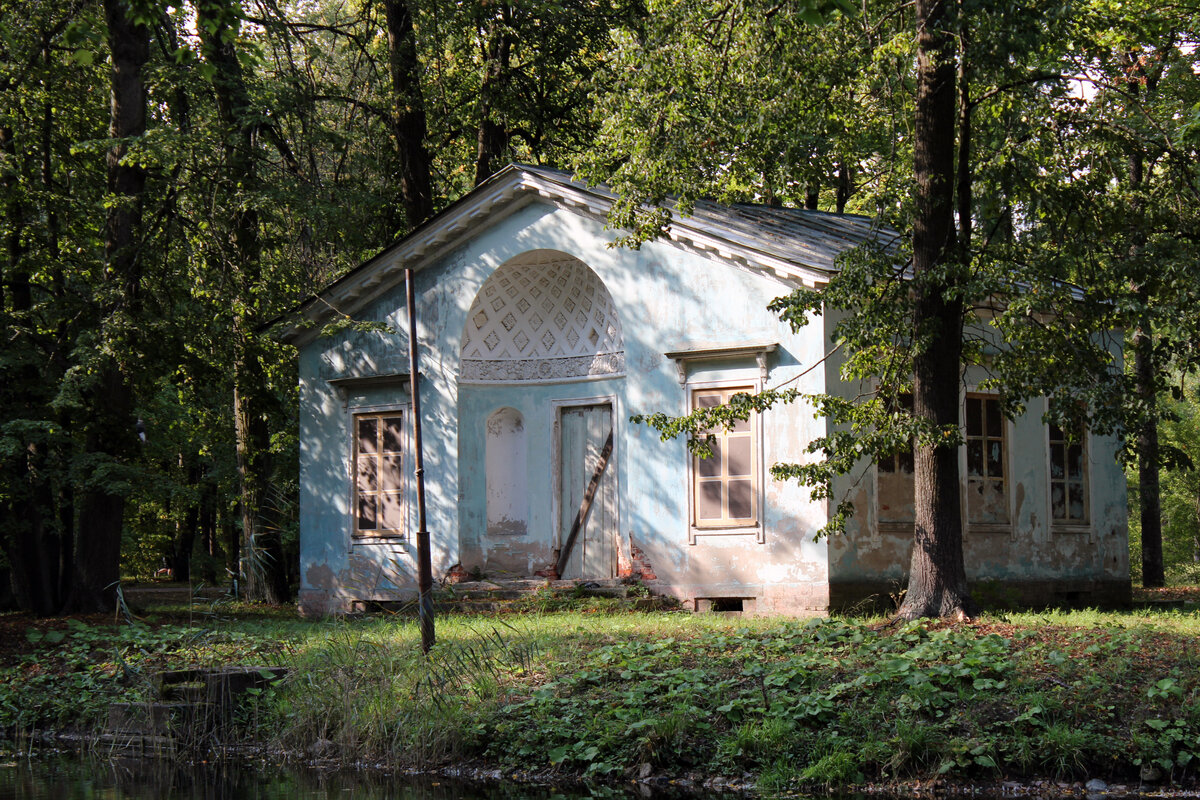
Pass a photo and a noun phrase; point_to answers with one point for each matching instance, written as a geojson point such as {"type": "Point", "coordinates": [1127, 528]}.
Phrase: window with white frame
{"type": "Point", "coordinates": [379, 474]}
{"type": "Point", "coordinates": [986, 445]}
{"type": "Point", "coordinates": [1068, 477]}
{"type": "Point", "coordinates": [725, 485]}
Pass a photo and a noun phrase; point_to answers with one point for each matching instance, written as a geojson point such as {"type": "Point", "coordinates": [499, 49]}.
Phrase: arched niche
{"type": "Point", "coordinates": [505, 474]}
{"type": "Point", "coordinates": [543, 316]}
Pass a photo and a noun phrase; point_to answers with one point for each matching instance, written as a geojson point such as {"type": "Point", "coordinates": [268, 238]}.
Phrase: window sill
{"type": "Point", "coordinates": [991, 527]}
{"type": "Point", "coordinates": [1070, 527]}
{"type": "Point", "coordinates": [397, 538]}
{"type": "Point", "coordinates": [731, 530]}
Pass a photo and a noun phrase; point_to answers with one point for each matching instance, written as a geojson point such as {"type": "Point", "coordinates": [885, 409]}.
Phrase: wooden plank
{"type": "Point", "coordinates": [586, 504]}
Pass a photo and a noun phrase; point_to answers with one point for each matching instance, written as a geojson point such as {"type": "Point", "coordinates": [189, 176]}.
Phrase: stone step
{"type": "Point", "coordinates": [151, 719]}
{"type": "Point", "coordinates": [138, 745]}
{"type": "Point", "coordinates": [191, 704]}
{"type": "Point", "coordinates": [193, 692]}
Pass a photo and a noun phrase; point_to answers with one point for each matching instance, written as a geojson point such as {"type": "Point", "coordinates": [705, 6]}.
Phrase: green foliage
{"type": "Point", "coordinates": [819, 702]}
{"type": "Point", "coordinates": [1179, 432]}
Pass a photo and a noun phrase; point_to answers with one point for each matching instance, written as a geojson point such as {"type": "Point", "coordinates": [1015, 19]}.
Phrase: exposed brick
{"type": "Point", "coordinates": [640, 566]}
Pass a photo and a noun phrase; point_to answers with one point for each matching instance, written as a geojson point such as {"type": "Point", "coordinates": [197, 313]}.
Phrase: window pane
{"type": "Point", "coordinates": [739, 451]}
{"type": "Point", "coordinates": [711, 467]}
{"type": "Point", "coordinates": [1076, 504]}
{"type": "Point", "coordinates": [391, 511]}
{"type": "Point", "coordinates": [1058, 502]}
{"type": "Point", "coordinates": [974, 420]}
{"type": "Point", "coordinates": [366, 435]}
{"type": "Point", "coordinates": [995, 465]}
{"type": "Point", "coordinates": [741, 499]}
{"type": "Point", "coordinates": [1056, 434]}
{"type": "Point", "coordinates": [995, 420]}
{"type": "Point", "coordinates": [709, 500]}
{"type": "Point", "coordinates": [367, 477]}
{"type": "Point", "coordinates": [1057, 458]}
{"type": "Point", "coordinates": [905, 458]}
{"type": "Point", "coordinates": [986, 502]}
{"type": "Point", "coordinates": [391, 475]}
{"type": "Point", "coordinates": [393, 434]}
{"type": "Point", "coordinates": [975, 458]}
{"type": "Point", "coordinates": [1075, 461]}
{"type": "Point", "coordinates": [366, 512]}
{"type": "Point", "coordinates": [887, 464]}
{"type": "Point", "coordinates": [708, 401]}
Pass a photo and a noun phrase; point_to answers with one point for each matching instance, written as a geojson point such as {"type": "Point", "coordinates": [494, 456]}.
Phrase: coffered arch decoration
{"type": "Point", "coordinates": [543, 316]}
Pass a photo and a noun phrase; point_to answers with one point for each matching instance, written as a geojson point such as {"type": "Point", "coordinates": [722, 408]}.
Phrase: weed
{"type": "Point", "coordinates": [835, 769]}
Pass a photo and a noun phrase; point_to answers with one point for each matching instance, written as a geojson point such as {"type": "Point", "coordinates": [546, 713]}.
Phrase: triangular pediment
{"type": "Point", "coordinates": [795, 245]}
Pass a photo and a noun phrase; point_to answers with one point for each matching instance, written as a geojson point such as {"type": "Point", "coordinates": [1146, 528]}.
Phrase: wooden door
{"type": "Point", "coordinates": [584, 432]}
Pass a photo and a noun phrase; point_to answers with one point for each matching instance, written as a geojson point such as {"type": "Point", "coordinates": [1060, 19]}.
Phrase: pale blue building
{"type": "Point", "coordinates": [538, 338]}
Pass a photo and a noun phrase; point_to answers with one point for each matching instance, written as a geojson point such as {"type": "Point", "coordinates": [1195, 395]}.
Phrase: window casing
{"type": "Point", "coordinates": [378, 475]}
{"type": "Point", "coordinates": [725, 487]}
{"type": "Point", "coordinates": [1068, 477]}
{"type": "Point", "coordinates": [987, 458]}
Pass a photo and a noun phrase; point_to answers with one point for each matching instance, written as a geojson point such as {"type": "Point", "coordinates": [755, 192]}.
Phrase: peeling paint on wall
{"type": "Point", "coordinates": [492, 448]}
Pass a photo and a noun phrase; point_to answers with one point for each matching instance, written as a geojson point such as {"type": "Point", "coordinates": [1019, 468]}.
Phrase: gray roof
{"type": "Point", "coordinates": [795, 244]}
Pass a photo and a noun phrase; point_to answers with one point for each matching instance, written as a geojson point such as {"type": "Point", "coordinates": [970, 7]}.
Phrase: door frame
{"type": "Point", "coordinates": [556, 409]}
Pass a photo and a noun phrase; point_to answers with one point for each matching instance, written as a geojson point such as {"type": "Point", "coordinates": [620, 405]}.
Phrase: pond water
{"type": "Point", "coordinates": [136, 779]}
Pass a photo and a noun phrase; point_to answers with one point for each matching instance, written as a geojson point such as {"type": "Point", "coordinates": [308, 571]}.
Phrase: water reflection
{"type": "Point", "coordinates": [136, 779]}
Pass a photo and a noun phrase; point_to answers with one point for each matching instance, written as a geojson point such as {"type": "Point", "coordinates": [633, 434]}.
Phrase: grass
{"type": "Point", "coordinates": [833, 702]}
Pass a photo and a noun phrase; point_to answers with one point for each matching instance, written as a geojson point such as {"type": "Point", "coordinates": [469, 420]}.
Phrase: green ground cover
{"type": "Point", "coordinates": [615, 695]}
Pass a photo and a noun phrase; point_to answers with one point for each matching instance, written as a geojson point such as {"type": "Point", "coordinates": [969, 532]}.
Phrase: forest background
{"type": "Point", "coordinates": [177, 176]}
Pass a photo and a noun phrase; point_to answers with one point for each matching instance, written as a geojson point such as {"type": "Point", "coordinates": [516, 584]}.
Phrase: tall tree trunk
{"type": "Point", "coordinates": [185, 532]}
{"type": "Point", "coordinates": [937, 583]}
{"type": "Point", "coordinates": [208, 534]}
{"type": "Point", "coordinates": [233, 549]}
{"type": "Point", "coordinates": [1149, 490]}
{"type": "Point", "coordinates": [262, 572]}
{"type": "Point", "coordinates": [492, 138]}
{"type": "Point", "coordinates": [812, 195]}
{"type": "Point", "coordinates": [1144, 372]}
{"type": "Point", "coordinates": [408, 115]}
{"type": "Point", "coordinates": [844, 187]}
{"type": "Point", "coordinates": [111, 429]}
{"type": "Point", "coordinates": [33, 579]}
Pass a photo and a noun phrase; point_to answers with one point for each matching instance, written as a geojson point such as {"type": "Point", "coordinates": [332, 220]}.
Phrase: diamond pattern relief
{"type": "Point", "coordinates": [541, 305]}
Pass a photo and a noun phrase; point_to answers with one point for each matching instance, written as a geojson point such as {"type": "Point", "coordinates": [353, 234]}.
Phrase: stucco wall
{"type": "Point", "coordinates": [667, 299]}
{"type": "Point", "coordinates": [1030, 560]}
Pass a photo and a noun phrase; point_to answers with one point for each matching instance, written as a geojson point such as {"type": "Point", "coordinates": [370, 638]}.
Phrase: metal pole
{"type": "Point", "coordinates": [424, 561]}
